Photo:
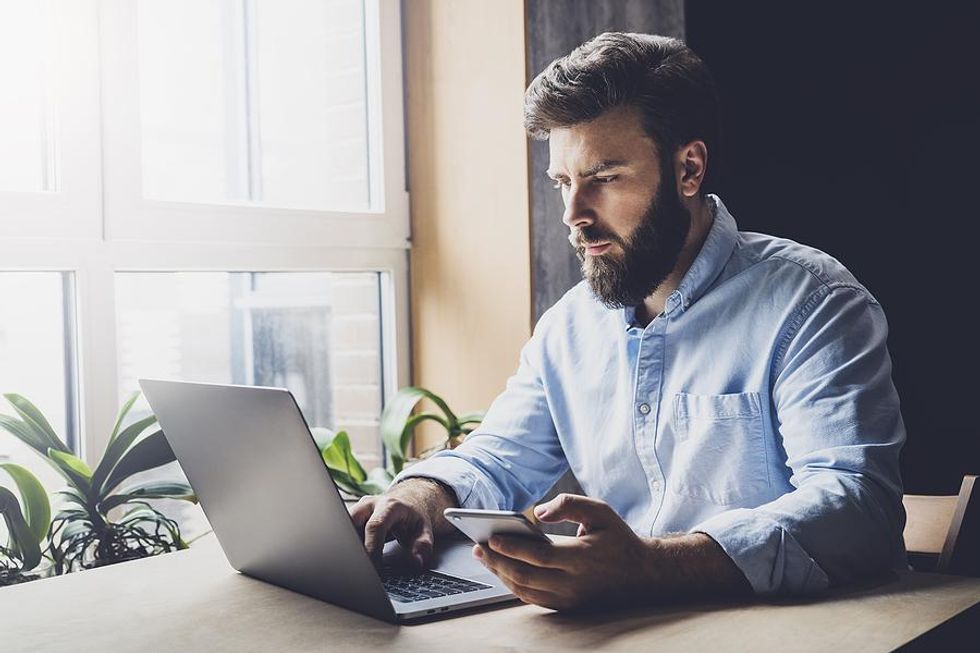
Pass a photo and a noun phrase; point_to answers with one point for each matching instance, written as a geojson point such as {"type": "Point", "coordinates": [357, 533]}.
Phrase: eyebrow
{"type": "Point", "coordinates": [594, 170]}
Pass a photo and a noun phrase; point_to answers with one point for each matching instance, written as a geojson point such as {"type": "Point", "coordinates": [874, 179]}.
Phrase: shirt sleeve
{"type": "Point", "coordinates": [514, 457]}
{"type": "Point", "coordinates": [838, 418]}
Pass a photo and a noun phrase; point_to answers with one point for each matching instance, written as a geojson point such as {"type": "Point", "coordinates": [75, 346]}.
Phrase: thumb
{"type": "Point", "coordinates": [591, 514]}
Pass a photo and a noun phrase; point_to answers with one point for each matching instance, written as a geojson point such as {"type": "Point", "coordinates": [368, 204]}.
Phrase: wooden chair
{"type": "Point", "coordinates": [942, 533]}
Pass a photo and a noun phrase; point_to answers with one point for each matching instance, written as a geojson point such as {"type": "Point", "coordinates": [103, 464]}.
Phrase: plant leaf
{"type": "Point", "coordinates": [378, 480]}
{"type": "Point", "coordinates": [117, 448]}
{"type": "Point", "coordinates": [151, 490]}
{"type": "Point", "coordinates": [394, 433]}
{"type": "Point", "coordinates": [123, 411]}
{"type": "Point", "coordinates": [152, 451]}
{"type": "Point", "coordinates": [74, 469]}
{"type": "Point", "coordinates": [37, 508]}
{"type": "Point", "coordinates": [35, 420]}
{"type": "Point", "coordinates": [22, 540]}
{"type": "Point", "coordinates": [471, 418]}
{"type": "Point", "coordinates": [345, 482]}
{"type": "Point", "coordinates": [73, 495]}
{"type": "Point", "coordinates": [339, 457]}
{"type": "Point", "coordinates": [24, 433]}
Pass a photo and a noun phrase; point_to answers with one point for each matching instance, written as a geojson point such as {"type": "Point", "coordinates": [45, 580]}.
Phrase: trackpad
{"type": "Point", "coordinates": [452, 556]}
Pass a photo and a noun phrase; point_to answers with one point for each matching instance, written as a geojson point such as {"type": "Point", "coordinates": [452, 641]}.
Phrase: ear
{"type": "Point", "coordinates": [692, 164]}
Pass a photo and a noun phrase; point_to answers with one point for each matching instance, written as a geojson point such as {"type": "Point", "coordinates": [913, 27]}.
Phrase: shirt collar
{"type": "Point", "coordinates": [708, 264]}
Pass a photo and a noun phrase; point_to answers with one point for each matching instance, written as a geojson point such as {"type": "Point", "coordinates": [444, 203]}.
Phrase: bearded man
{"type": "Point", "coordinates": [723, 397]}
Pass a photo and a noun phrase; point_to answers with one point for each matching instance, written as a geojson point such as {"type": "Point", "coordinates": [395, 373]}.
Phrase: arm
{"type": "Point", "coordinates": [514, 457]}
{"type": "Point", "coordinates": [840, 425]}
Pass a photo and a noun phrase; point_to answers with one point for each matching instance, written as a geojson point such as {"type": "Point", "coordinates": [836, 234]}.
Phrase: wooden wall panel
{"type": "Point", "coordinates": [464, 82]}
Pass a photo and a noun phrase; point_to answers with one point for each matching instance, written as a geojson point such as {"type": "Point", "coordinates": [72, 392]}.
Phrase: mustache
{"type": "Point", "coordinates": [581, 238]}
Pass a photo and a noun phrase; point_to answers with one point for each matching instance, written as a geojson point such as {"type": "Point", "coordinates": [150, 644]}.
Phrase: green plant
{"type": "Point", "coordinates": [397, 428]}
{"type": "Point", "coordinates": [27, 521]}
{"type": "Point", "coordinates": [82, 534]}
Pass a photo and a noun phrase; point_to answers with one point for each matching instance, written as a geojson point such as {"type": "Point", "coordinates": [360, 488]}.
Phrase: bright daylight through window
{"type": "Point", "coordinates": [203, 190]}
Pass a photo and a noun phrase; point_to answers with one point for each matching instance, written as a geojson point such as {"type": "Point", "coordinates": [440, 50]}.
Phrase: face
{"type": "Point", "coordinates": [628, 224]}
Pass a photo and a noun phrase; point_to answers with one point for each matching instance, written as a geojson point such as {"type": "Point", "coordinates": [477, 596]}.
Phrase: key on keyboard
{"type": "Point", "coordinates": [408, 588]}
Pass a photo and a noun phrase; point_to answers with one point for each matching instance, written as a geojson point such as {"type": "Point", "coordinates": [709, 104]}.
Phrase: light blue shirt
{"type": "Point", "coordinates": [758, 408]}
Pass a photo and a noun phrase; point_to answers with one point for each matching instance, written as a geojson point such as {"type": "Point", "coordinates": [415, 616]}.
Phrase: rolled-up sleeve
{"type": "Point", "coordinates": [839, 422]}
{"type": "Point", "coordinates": [515, 456]}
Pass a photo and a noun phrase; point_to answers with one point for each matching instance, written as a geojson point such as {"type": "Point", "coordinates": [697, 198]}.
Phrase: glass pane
{"type": "Point", "coordinates": [26, 115]}
{"type": "Point", "coordinates": [32, 360]}
{"type": "Point", "coordinates": [264, 102]}
{"type": "Point", "coordinates": [317, 334]}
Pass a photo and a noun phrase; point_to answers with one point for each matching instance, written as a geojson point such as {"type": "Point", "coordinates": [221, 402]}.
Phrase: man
{"type": "Point", "coordinates": [724, 398]}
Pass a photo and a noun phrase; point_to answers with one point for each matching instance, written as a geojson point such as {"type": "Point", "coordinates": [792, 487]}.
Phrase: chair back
{"type": "Point", "coordinates": [945, 530]}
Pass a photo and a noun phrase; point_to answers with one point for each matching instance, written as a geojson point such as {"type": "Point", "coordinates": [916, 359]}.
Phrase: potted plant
{"type": "Point", "coordinates": [82, 533]}
{"type": "Point", "coordinates": [398, 426]}
{"type": "Point", "coordinates": [28, 520]}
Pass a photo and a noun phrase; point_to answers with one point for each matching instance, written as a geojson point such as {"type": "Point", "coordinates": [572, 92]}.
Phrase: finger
{"type": "Point", "coordinates": [590, 513]}
{"type": "Point", "coordinates": [377, 527]}
{"type": "Point", "coordinates": [533, 552]}
{"type": "Point", "coordinates": [360, 513]}
{"type": "Point", "coordinates": [422, 546]}
{"type": "Point", "coordinates": [515, 573]}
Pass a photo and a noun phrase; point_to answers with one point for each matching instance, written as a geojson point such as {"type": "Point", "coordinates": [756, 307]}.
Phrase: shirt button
{"type": "Point", "coordinates": [644, 408]}
{"type": "Point", "coordinates": [655, 485]}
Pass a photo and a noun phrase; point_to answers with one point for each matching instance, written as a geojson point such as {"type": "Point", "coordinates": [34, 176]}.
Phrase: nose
{"type": "Point", "coordinates": [578, 212]}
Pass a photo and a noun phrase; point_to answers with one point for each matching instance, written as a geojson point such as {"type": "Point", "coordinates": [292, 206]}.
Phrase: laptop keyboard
{"type": "Point", "coordinates": [408, 588]}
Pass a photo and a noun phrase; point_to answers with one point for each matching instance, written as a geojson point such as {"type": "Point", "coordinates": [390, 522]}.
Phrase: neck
{"type": "Point", "coordinates": [701, 219]}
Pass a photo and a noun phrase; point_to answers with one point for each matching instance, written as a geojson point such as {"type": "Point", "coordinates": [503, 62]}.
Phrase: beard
{"type": "Point", "coordinates": [649, 253]}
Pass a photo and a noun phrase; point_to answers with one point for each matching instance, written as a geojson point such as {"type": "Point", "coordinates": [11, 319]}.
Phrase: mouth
{"type": "Point", "coordinates": [596, 248]}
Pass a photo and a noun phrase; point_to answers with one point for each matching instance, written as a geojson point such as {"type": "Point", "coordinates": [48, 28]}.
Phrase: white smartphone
{"type": "Point", "coordinates": [479, 525]}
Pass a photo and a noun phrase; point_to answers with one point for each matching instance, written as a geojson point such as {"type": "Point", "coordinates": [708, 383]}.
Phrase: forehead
{"type": "Point", "coordinates": [616, 135]}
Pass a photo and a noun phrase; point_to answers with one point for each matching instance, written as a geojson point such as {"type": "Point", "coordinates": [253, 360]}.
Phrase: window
{"type": "Point", "coordinates": [37, 357]}
{"type": "Point", "coordinates": [317, 333]}
{"type": "Point", "coordinates": [202, 189]}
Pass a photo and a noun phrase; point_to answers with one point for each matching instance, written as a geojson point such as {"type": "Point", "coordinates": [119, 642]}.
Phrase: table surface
{"type": "Point", "coordinates": [194, 601]}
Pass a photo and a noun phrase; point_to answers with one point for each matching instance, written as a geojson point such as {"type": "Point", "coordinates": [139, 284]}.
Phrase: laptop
{"type": "Point", "coordinates": [278, 516]}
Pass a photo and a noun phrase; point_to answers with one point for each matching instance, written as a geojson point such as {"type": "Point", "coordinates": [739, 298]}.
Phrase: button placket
{"type": "Point", "coordinates": [650, 362]}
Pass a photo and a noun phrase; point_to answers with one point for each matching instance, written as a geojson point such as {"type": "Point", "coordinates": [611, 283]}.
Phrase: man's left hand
{"type": "Point", "coordinates": [606, 561]}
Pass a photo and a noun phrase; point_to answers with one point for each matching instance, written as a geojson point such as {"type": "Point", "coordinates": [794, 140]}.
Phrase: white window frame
{"type": "Point", "coordinates": [97, 223]}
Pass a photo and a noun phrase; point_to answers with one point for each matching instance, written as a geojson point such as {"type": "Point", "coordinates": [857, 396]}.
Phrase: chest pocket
{"type": "Point", "coordinates": [720, 454]}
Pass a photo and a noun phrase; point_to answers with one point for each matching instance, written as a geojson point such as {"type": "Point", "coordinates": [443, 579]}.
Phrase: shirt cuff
{"type": "Point", "coordinates": [769, 557]}
{"type": "Point", "coordinates": [471, 487]}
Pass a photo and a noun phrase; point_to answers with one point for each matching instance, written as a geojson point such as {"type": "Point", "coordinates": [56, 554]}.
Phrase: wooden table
{"type": "Point", "coordinates": [194, 601]}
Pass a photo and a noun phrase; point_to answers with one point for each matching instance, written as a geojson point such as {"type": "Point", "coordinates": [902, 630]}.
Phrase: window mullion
{"type": "Point", "coordinates": [97, 352]}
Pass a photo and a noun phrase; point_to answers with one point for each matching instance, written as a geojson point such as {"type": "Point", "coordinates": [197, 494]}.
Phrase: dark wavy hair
{"type": "Point", "coordinates": [659, 75]}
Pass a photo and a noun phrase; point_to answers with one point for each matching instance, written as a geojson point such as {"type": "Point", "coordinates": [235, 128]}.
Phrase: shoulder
{"type": "Point", "coordinates": [784, 266]}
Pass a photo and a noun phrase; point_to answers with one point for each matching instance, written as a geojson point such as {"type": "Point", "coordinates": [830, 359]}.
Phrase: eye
{"type": "Point", "coordinates": [559, 184]}
{"type": "Point", "coordinates": [606, 180]}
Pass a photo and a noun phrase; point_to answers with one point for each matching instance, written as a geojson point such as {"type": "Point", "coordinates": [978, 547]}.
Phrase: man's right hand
{"type": "Point", "coordinates": [411, 511]}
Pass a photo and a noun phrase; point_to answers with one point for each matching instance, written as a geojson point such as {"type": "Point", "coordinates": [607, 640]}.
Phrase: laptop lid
{"type": "Point", "coordinates": [249, 455]}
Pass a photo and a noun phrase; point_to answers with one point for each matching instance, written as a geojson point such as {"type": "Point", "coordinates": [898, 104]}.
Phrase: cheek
{"type": "Point", "coordinates": [621, 214]}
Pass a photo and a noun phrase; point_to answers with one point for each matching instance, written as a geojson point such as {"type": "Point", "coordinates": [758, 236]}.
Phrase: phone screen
{"type": "Point", "coordinates": [480, 525]}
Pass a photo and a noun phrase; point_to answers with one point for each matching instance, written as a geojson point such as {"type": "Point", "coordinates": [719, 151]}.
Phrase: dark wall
{"type": "Point", "coordinates": [855, 127]}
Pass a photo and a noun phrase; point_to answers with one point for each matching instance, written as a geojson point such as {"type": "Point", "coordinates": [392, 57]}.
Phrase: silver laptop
{"type": "Point", "coordinates": [252, 461]}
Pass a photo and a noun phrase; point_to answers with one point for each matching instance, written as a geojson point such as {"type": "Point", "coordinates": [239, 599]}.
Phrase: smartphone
{"type": "Point", "coordinates": [479, 525]}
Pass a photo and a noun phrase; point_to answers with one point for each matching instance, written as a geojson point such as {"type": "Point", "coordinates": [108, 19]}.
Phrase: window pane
{"type": "Point", "coordinates": [264, 102]}
{"type": "Point", "coordinates": [26, 114]}
{"type": "Point", "coordinates": [317, 334]}
{"type": "Point", "coordinates": [33, 358]}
